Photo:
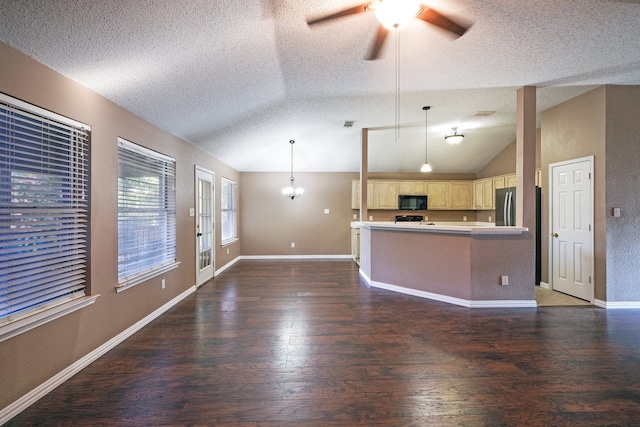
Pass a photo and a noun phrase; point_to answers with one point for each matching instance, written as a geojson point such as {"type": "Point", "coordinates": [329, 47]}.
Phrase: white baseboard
{"type": "Point", "coordinates": [226, 266]}
{"type": "Point", "coordinates": [449, 299]}
{"type": "Point", "coordinates": [296, 256]}
{"type": "Point", "coordinates": [545, 285]}
{"type": "Point", "coordinates": [40, 391]}
{"type": "Point", "coordinates": [616, 304]}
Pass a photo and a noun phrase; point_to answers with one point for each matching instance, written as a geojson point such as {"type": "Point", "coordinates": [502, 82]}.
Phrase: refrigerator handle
{"type": "Point", "coordinates": [510, 208]}
{"type": "Point", "coordinates": [505, 209]}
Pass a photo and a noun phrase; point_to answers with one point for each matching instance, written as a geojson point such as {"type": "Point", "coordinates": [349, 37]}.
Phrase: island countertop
{"type": "Point", "coordinates": [442, 227]}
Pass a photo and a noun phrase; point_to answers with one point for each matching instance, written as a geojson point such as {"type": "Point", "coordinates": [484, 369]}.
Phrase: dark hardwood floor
{"type": "Point", "coordinates": [307, 343]}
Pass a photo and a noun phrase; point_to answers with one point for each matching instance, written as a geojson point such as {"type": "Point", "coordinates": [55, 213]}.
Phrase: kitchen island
{"type": "Point", "coordinates": [469, 264]}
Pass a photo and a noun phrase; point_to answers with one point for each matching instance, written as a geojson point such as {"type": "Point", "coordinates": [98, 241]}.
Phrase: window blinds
{"type": "Point", "coordinates": [146, 211]}
{"type": "Point", "coordinates": [228, 211]}
{"type": "Point", "coordinates": [44, 208]}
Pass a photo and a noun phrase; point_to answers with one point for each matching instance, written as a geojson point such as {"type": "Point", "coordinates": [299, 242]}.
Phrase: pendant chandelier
{"type": "Point", "coordinates": [426, 167]}
{"type": "Point", "coordinates": [290, 191]}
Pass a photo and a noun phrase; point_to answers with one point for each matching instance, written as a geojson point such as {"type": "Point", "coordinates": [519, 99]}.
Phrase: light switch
{"type": "Point", "coordinates": [192, 212]}
{"type": "Point", "coordinates": [326, 211]}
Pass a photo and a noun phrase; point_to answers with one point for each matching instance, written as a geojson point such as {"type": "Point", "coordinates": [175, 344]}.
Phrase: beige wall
{"type": "Point", "coordinates": [574, 129]}
{"type": "Point", "coordinates": [622, 187]}
{"type": "Point", "coordinates": [270, 222]}
{"type": "Point", "coordinates": [29, 359]}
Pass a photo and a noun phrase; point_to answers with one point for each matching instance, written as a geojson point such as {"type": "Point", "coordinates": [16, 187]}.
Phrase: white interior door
{"type": "Point", "coordinates": [204, 225]}
{"type": "Point", "coordinates": [571, 225]}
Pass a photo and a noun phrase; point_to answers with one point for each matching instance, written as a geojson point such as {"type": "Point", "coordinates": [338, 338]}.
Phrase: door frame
{"type": "Point", "coordinates": [590, 160]}
{"type": "Point", "coordinates": [199, 280]}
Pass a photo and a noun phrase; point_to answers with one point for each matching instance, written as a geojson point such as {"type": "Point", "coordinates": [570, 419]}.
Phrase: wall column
{"type": "Point", "coordinates": [526, 157]}
{"type": "Point", "coordinates": [364, 172]}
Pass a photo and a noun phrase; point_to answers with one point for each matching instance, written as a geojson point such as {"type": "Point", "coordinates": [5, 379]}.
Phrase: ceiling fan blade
{"type": "Point", "coordinates": [381, 35]}
{"type": "Point", "coordinates": [342, 13]}
{"type": "Point", "coordinates": [439, 20]}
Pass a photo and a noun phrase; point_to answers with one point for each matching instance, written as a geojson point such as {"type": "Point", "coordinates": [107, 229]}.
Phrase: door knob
{"type": "Point", "coordinates": [199, 234]}
{"type": "Point", "coordinates": [554, 234]}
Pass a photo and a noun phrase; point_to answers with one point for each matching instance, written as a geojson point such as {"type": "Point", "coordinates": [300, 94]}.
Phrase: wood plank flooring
{"type": "Point", "coordinates": [307, 343]}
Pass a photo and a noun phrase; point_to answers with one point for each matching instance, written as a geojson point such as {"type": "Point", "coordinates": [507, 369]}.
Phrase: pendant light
{"type": "Point", "coordinates": [290, 191]}
{"type": "Point", "coordinates": [426, 167]}
{"type": "Point", "coordinates": [455, 138]}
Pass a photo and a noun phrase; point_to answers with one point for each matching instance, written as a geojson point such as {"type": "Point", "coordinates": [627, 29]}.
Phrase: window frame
{"type": "Point", "coordinates": [47, 155]}
{"type": "Point", "coordinates": [163, 168]}
{"type": "Point", "coordinates": [228, 186]}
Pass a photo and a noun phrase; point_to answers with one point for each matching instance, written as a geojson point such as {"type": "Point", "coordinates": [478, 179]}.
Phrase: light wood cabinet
{"type": "Point", "coordinates": [499, 182]}
{"type": "Point", "coordinates": [355, 194]}
{"type": "Point", "coordinates": [461, 195]}
{"type": "Point", "coordinates": [385, 194]}
{"type": "Point", "coordinates": [438, 193]}
{"type": "Point", "coordinates": [538, 178]}
{"type": "Point", "coordinates": [483, 194]}
{"type": "Point", "coordinates": [511, 180]}
{"type": "Point", "coordinates": [355, 244]}
{"type": "Point", "coordinates": [413, 188]}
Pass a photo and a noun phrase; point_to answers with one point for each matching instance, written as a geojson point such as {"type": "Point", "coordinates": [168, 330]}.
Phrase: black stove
{"type": "Point", "coordinates": [409, 218]}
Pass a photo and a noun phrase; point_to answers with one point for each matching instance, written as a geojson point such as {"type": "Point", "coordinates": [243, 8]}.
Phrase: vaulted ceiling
{"type": "Point", "coordinates": [241, 78]}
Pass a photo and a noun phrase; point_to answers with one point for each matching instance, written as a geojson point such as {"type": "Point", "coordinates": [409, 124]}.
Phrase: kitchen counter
{"type": "Point", "coordinates": [444, 227]}
{"type": "Point", "coordinates": [463, 263]}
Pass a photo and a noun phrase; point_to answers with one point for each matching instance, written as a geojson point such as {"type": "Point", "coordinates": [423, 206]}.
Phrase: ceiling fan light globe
{"type": "Point", "coordinates": [426, 168]}
{"type": "Point", "coordinates": [396, 13]}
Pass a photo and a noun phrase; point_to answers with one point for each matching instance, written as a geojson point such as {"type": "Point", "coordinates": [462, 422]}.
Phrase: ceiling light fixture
{"type": "Point", "coordinates": [455, 138]}
{"type": "Point", "coordinates": [292, 192]}
{"type": "Point", "coordinates": [426, 167]}
{"type": "Point", "coordinates": [395, 13]}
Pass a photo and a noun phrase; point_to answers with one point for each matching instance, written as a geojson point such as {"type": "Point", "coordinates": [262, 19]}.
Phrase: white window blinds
{"type": "Point", "coordinates": [228, 211]}
{"type": "Point", "coordinates": [44, 214]}
{"type": "Point", "coordinates": [146, 213]}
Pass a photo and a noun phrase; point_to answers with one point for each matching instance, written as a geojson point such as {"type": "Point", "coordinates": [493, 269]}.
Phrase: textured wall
{"type": "Point", "coordinates": [623, 188]}
{"type": "Point", "coordinates": [29, 359]}
{"type": "Point", "coordinates": [571, 130]}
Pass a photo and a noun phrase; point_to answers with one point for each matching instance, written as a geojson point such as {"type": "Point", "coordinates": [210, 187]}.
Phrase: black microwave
{"type": "Point", "coordinates": [412, 203]}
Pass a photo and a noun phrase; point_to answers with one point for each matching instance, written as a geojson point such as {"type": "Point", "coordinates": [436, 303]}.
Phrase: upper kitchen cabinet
{"type": "Point", "coordinates": [355, 194]}
{"type": "Point", "coordinates": [413, 188]}
{"type": "Point", "coordinates": [386, 194]}
{"type": "Point", "coordinates": [438, 194]}
{"type": "Point", "coordinates": [461, 195]}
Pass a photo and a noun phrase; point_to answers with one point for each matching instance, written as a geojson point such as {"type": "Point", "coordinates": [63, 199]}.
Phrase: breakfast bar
{"type": "Point", "coordinates": [476, 265]}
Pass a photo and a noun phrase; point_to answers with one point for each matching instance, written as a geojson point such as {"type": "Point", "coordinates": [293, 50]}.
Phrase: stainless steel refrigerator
{"type": "Point", "coordinates": [505, 201]}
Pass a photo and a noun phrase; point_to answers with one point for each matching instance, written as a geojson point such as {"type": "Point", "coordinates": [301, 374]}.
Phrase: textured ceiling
{"type": "Point", "coordinates": [241, 78]}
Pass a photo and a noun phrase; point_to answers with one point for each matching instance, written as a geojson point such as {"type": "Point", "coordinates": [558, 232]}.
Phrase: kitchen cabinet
{"type": "Point", "coordinates": [538, 178]}
{"type": "Point", "coordinates": [438, 194]}
{"type": "Point", "coordinates": [483, 194]}
{"type": "Point", "coordinates": [499, 182]}
{"type": "Point", "coordinates": [511, 180]}
{"type": "Point", "coordinates": [385, 194]}
{"type": "Point", "coordinates": [355, 194]}
{"type": "Point", "coordinates": [461, 195]}
{"type": "Point", "coordinates": [413, 188]}
{"type": "Point", "coordinates": [355, 244]}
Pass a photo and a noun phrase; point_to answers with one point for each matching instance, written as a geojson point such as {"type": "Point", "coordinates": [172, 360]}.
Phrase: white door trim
{"type": "Point", "coordinates": [590, 160]}
{"type": "Point", "coordinates": [200, 277]}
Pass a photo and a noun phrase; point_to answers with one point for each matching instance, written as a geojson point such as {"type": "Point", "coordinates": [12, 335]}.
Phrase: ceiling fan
{"type": "Point", "coordinates": [395, 14]}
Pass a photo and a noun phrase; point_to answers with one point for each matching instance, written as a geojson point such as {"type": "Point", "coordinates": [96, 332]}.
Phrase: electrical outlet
{"type": "Point", "coordinates": [355, 216]}
{"type": "Point", "coordinates": [227, 251]}
{"type": "Point", "coordinates": [464, 218]}
{"type": "Point", "coordinates": [163, 283]}
{"type": "Point", "coordinates": [489, 219]}
{"type": "Point", "coordinates": [616, 212]}
{"type": "Point", "coordinates": [370, 217]}
{"type": "Point", "coordinates": [504, 280]}
{"type": "Point", "coordinates": [293, 244]}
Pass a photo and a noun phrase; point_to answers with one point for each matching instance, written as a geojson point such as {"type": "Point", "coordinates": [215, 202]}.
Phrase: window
{"type": "Point", "coordinates": [228, 211]}
{"type": "Point", "coordinates": [146, 214]}
{"type": "Point", "coordinates": [44, 215]}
